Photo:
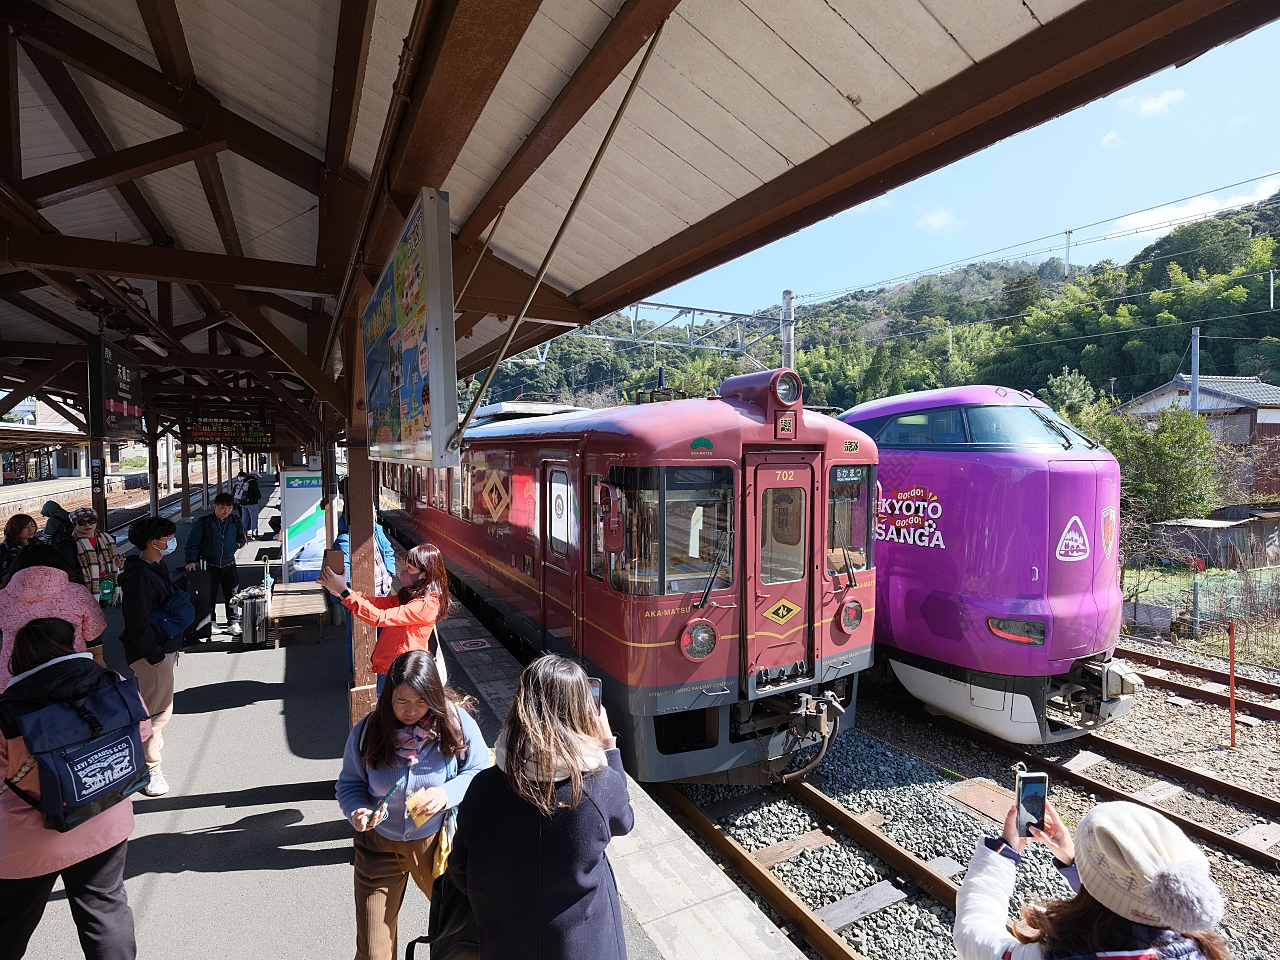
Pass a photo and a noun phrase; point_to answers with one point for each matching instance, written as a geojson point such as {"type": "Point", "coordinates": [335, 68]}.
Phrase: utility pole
{"type": "Point", "coordinates": [787, 329]}
{"type": "Point", "coordinates": [1067, 272]}
{"type": "Point", "coordinates": [950, 343]}
{"type": "Point", "coordinates": [1195, 369]}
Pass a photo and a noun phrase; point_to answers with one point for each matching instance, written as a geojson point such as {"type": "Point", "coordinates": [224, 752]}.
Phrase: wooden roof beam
{"type": "Point", "coordinates": [623, 38]}
{"type": "Point", "coordinates": [49, 251]}
{"type": "Point", "coordinates": [71, 418]}
{"type": "Point", "coordinates": [77, 109]}
{"type": "Point", "coordinates": [122, 166]}
{"type": "Point", "coordinates": [37, 379]}
{"type": "Point", "coordinates": [10, 126]}
{"type": "Point", "coordinates": [1089, 51]}
{"type": "Point", "coordinates": [41, 312]}
{"type": "Point", "coordinates": [355, 30]}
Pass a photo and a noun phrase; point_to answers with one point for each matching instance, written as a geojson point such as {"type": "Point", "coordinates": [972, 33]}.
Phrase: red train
{"type": "Point", "coordinates": [709, 559]}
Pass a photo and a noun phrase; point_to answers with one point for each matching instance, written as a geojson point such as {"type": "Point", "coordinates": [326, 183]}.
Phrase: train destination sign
{"type": "Point", "coordinates": [115, 392]}
{"type": "Point", "coordinates": [232, 431]}
{"type": "Point", "coordinates": [407, 330]}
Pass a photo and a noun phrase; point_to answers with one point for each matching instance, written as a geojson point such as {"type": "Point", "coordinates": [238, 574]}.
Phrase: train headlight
{"type": "Point", "coordinates": [788, 388]}
{"type": "Point", "coordinates": [1027, 632]}
{"type": "Point", "coordinates": [850, 615]}
{"type": "Point", "coordinates": [698, 640]}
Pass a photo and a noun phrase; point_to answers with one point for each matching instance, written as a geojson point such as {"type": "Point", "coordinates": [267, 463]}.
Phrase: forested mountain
{"type": "Point", "coordinates": [1126, 327]}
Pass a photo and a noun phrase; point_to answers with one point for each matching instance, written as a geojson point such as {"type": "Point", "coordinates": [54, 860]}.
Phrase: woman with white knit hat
{"type": "Point", "coordinates": [1143, 892]}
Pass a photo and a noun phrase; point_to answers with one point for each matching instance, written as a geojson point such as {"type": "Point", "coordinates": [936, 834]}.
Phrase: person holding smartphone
{"type": "Point", "coordinates": [1141, 889]}
{"type": "Point", "coordinates": [529, 853]}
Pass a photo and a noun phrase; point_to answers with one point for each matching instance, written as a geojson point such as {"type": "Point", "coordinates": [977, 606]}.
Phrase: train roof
{"type": "Point", "coordinates": [942, 397]}
{"type": "Point", "coordinates": [668, 424]}
{"type": "Point", "coordinates": [520, 410]}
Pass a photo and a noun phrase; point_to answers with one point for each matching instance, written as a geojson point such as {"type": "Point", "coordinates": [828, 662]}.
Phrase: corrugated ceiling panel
{"type": "Point", "coordinates": [49, 140]}
{"type": "Point", "coordinates": [983, 26]}
{"type": "Point", "coordinates": [390, 26]}
{"type": "Point", "coordinates": [1046, 10]}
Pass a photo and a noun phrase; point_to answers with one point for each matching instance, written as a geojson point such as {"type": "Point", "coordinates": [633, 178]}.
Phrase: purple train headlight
{"type": "Point", "coordinates": [698, 640]}
{"type": "Point", "coordinates": [1027, 632]}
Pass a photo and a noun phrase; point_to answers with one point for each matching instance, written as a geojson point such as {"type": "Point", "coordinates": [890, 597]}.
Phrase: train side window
{"type": "Point", "coordinates": [782, 546]}
{"type": "Point", "coordinates": [595, 537]}
{"type": "Point", "coordinates": [699, 525]}
{"type": "Point", "coordinates": [636, 569]}
{"type": "Point", "coordinates": [561, 512]}
{"type": "Point", "coordinates": [464, 493]}
{"type": "Point", "coordinates": [440, 492]}
{"type": "Point", "coordinates": [925, 428]}
{"type": "Point", "coordinates": [848, 516]}
{"type": "Point", "coordinates": [455, 491]}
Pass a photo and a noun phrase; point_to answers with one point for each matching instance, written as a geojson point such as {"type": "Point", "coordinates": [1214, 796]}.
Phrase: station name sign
{"type": "Point", "coordinates": [232, 431]}
{"type": "Point", "coordinates": [115, 392]}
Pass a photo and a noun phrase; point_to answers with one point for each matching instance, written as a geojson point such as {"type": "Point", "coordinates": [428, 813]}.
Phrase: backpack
{"type": "Point", "coordinates": [172, 619]}
{"type": "Point", "coordinates": [88, 752]}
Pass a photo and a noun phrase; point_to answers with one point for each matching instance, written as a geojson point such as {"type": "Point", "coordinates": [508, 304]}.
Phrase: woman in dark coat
{"type": "Point", "coordinates": [532, 831]}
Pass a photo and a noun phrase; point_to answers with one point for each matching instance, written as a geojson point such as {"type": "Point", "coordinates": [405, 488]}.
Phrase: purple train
{"type": "Point", "coordinates": [998, 600]}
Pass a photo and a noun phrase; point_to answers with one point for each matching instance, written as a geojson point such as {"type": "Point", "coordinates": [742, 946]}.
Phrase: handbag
{"type": "Point", "coordinates": [454, 934]}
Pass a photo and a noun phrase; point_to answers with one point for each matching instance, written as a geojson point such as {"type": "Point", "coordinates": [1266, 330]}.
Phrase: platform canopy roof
{"type": "Point", "coordinates": [198, 170]}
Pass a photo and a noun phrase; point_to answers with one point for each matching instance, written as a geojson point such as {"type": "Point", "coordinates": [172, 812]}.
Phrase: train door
{"type": "Point", "coordinates": [778, 602]}
{"type": "Point", "coordinates": [559, 559]}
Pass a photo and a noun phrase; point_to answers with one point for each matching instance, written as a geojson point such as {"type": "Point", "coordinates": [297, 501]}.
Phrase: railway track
{"type": "Point", "coordinates": [819, 928]}
{"type": "Point", "coordinates": [119, 517]}
{"type": "Point", "coordinates": [1156, 676]}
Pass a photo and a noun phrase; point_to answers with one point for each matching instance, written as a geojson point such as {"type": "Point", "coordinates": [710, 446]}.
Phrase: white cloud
{"type": "Point", "coordinates": [879, 203]}
{"type": "Point", "coordinates": [1239, 122]}
{"type": "Point", "coordinates": [1159, 219]}
{"type": "Point", "coordinates": [938, 220]}
{"type": "Point", "coordinates": [1154, 106]}
{"type": "Point", "coordinates": [1111, 138]}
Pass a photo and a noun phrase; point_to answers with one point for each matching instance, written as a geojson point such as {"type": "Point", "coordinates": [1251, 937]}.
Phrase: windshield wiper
{"type": "Point", "coordinates": [843, 544]}
{"type": "Point", "coordinates": [1066, 441]}
{"type": "Point", "coordinates": [715, 570]}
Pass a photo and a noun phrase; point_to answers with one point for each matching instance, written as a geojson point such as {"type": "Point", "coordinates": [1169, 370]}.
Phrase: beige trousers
{"type": "Point", "coordinates": [155, 683]}
{"type": "Point", "coordinates": [382, 869]}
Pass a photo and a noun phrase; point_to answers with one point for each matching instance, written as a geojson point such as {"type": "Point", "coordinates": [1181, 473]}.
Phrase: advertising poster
{"type": "Point", "coordinates": [408, 333]}
{"type": "Point", "coordinates": [302, 523]}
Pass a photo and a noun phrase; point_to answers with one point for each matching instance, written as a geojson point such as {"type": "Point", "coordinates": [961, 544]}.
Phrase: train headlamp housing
{"type": "Point", "coordinates": [1029, 633]}
{"type": "Point", "coordinates": [698, 640]}
{"type": "Point", "coordinates": [787, 387]}
{"type": "Point", "coordinates": [850, 615]}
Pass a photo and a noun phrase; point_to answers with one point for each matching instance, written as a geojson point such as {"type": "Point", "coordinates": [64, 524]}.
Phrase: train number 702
{"type": "Point", "coordinates": [785, 474]}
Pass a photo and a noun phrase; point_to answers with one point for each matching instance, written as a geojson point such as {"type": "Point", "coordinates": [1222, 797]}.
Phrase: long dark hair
{"type": "Point", "coordinates": [417, 669]}
{"type": "Point", "coordinates": [1080, 924]}
{"type": "Point", "coordinates": [553, 711]}
{"type": "Point", "coordinates": [37, 554]}
{"type": "Point", "coordinates": [427, 558]}
{"type": "Point", "coordinates": [40, 641]}
{"type": "Point", "coordinates": [17, 523]}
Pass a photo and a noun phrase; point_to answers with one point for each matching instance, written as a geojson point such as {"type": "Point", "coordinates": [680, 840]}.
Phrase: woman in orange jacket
{"type": "Point", "coordinates": [408, 618]}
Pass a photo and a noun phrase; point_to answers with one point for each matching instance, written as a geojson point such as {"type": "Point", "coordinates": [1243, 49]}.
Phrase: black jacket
{"type": "Point", "coordinates": [254, 493]}
{"type": "Point", "coordinates": [8, 553]}
{"type": "Point", "coordinates": [214, 540]}
{"type": "Point", "coordinates": [67, 680]}
{"type": "Point", "coordinates": [146, 587]}
{"type": "Point", "coordinates": [541, 887]}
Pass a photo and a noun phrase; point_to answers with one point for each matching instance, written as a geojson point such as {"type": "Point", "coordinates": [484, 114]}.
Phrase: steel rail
{"type": "Point", "coordinates": [825, 941]}
{"type": "Point", "coordinates": [1192, 827]}
{"type": "Point", "coordinates": [1195, 670]}
{"type": "Point", "coordinates": [1252, 707]}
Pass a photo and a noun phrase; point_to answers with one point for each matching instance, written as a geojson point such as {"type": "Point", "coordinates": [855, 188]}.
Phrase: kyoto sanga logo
{"type": "Point", "coordinates": [782, 611]}
{"type": "Point", "coordinates": [702, 443]}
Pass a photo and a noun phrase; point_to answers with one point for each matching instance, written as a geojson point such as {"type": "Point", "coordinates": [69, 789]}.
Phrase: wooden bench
{"type": "Point", "coordinates": [294, 601]}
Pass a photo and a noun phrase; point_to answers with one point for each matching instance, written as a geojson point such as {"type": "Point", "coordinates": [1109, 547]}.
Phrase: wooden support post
{"type": "Point", "coordinates": [98, 478]}
{"type": "Point", "coordinates": [359, 509]}
{"type": "Point", "coordinates": [204, 476]}
{"type": "Point", "coordinates": [153, 467]}
{"type": "Point", "coordinates": [186, 479]}
{"type": "Point", "coordinates": [217, 456]}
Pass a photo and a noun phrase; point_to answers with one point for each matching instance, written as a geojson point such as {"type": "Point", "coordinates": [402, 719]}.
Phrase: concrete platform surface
{"type": "Point", "coordinates": [249, 855]}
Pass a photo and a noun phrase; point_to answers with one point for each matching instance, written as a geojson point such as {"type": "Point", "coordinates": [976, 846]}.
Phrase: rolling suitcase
{"type": "Point", "coordinates": [202, 585]}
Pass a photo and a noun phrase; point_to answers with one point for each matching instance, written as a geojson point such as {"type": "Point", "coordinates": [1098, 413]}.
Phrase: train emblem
{"type": "Point", "coordinates": [1074, 543]}
{"type": "Point", "coordinates": [1108, 531]}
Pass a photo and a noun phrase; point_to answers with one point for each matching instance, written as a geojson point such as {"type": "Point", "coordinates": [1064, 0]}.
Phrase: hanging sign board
{"type": "Point", "coordinates": [115, 392]}
{"type": "Point", "coordinates": [235, 432]}
{"type": "Point", "coordinates": [409, 349]}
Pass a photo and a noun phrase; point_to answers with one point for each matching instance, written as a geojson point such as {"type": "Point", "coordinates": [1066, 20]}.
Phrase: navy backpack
{"type": "Point", "coordinates": [88, 752]}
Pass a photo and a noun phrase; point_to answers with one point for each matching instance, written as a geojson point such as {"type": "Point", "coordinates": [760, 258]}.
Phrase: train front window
{"type": "Point", "coordinates": [782, 527]}
{"type": "Point", "coordinates": [1010, 424]}
{"type": "Point", "coordinates": [927, 428]}
{"type": "Point", "coordinates": [638, 568]}
{"type": "Point", "coordinates": [699, 528]}
{"type": "Point", "coordinates": [848, 503]}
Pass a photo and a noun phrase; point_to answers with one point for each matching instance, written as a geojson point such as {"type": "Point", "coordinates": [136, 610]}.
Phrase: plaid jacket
{"type": "Point", "coordinates": [96, 564]}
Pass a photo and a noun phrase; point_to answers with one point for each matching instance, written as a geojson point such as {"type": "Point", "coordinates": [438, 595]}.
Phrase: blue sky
{"type": "Point", "coordinates": [1178, 133]}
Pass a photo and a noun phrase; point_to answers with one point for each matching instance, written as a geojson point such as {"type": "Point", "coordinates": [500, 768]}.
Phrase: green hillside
{"type": "Point", "coordinates": [1126, 327]}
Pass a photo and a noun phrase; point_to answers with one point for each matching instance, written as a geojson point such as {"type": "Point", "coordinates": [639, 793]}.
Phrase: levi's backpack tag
{"type": "Point", "coordinates": [88, 752]}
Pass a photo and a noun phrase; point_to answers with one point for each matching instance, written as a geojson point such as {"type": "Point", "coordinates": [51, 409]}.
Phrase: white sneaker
{"type": "Point", "coordinates": [158, 786]}
{"type": "Point", "coordinates": [233, 628]}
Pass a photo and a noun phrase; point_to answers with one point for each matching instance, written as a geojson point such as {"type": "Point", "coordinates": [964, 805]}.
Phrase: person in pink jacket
{"type": "Point", "coordinates": [90, 857]}
{"type": "Point", "coordinates": [38, 585]}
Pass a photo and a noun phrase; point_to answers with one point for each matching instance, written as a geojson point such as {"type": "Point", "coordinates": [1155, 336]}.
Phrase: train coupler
{"type": "Point", "coordinates": [812, 715]}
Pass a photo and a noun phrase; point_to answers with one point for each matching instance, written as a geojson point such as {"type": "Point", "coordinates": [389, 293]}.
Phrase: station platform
{"type": "Point", "coordinates": [249, 854]}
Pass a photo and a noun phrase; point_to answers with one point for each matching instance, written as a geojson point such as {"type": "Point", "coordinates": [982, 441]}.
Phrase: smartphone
{"type": "Point", "coordinates": [594, 683]}
{"type": "Point", "coordinates": [335, 560]}
{"type": "Point", "coordinates": [1032, 790]}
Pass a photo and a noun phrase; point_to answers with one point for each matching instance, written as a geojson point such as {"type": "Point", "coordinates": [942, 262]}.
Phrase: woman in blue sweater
{"type": "Point", "coordinates": [406, 766]}
{"type": "Point", "coordinates": [530, 847]}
